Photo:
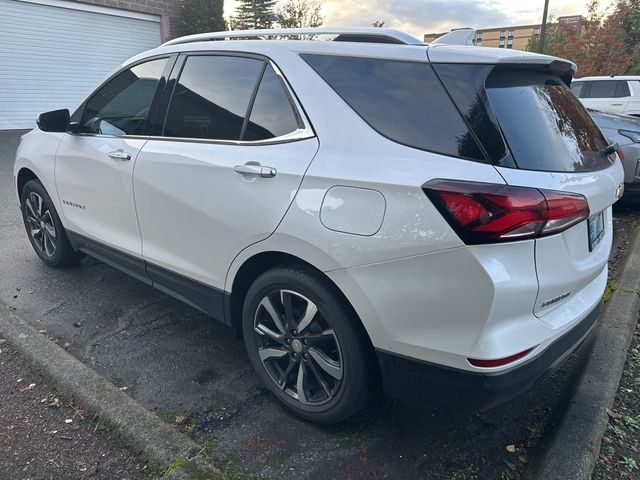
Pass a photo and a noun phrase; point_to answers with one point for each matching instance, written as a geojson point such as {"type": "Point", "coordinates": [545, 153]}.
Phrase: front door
{"type": "Point", "coordinates": [94, 168]}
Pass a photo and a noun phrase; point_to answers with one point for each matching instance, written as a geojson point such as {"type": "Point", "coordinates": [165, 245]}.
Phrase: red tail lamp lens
{"type": "Point", "coordinates": [488, 213]}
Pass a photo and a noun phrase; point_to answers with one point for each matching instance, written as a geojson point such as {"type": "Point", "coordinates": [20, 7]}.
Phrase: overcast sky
{"type": "Point", "coordinates": [421, 16]}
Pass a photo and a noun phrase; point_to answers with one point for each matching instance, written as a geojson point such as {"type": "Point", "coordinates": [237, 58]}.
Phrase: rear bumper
{"type": "Point", "coordinates": [454, 389]}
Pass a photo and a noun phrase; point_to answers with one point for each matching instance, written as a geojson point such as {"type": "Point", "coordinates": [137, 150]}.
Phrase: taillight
{"type": "Point", "coordinates": [488, 213]}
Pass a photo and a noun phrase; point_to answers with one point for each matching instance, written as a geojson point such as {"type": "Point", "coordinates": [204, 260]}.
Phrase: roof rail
{"type": "Point", "coordinates": [364, 34]}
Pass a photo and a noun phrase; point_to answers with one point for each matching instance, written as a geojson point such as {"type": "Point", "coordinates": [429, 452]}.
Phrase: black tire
{"type": "Point", "coordinates": [52, 233]}
{"type": "Point", "coordinates": [334, 334]}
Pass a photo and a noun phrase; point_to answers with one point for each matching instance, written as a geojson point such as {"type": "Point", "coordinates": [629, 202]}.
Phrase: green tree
{"type": "Point", "coordinates": [252, 14]}
{"type": "Point", "coordinates": [299, 14]}
{"type": "Point", "coordinates": [200, 16]}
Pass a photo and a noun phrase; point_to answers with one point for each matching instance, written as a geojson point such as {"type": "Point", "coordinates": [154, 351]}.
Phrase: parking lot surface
{"type": "Point", "coordinates": [176, 361]}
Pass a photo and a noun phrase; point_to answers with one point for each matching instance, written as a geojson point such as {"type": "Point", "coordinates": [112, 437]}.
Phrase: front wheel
{"type": "Point", "coordinates": [44, 228]}
{"type": "Point", "coordinates": [306, 345]}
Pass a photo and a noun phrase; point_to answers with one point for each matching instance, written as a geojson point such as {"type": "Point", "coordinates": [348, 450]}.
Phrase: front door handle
{"type": "Point", "coordinates": [120, 155]}
{"type": "Point", "coordinates": [256, 170]}
{"type": "Point", "coordinates": [616, 104]}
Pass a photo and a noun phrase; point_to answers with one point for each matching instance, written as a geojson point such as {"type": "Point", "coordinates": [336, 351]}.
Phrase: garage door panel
{"type": "Point", "coordinates": [52, 57]}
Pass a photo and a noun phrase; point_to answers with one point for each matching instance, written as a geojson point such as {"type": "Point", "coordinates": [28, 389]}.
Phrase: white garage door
{"type": "Point", "coordinates": [54, 52]}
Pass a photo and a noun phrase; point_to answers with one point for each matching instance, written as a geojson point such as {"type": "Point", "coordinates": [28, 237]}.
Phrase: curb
{"type": "Point", "coordinates": [145, 433]}
{"type": "Point", "coordinates": [570, 449]}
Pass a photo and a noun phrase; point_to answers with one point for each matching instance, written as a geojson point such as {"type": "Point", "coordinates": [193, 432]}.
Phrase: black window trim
{"type": "Point", "coordinates": [80, 111]}
{"type": "Point", "coordinates": [304, 131]}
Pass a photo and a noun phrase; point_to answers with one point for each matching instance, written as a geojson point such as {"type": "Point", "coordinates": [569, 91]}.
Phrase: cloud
{"type": "Point", "coordinates": [422, 16]}
{"type": "Point", "coordinates": [414, 16]}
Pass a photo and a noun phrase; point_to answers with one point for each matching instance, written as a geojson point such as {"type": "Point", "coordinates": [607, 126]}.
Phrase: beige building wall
{"type": "Point", "coordinates": [514, 37]}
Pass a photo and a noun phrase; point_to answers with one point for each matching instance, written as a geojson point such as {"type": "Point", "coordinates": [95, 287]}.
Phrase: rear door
{"type": "Point", "coordinates": [223, 170]}
{"type": "Point", "coordinates": [607, 95]}
{"type": "Point", "coordinates": [539, 135]}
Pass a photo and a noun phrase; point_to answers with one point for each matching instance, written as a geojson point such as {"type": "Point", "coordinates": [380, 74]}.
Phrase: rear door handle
{"type": "Point", "coordinates": [255, 170]}
{"type": "Point", "coordinates": [120, 155]}
{"type": "Point", "coordinates": [617, 104]}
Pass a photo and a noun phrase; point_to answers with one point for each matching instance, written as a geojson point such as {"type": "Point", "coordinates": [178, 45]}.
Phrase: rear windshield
{"type": "Point", "coordinates": [525, 119]}
{"type": "Point", "coordinates": [544, 124]}
{"type": "Point", "coordinates": [404, 101]}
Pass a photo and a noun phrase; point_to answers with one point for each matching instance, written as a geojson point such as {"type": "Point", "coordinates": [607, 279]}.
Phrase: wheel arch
{"type": "Point", "coordinates": [25, 174]}
{"type": "Point", "coordinates": [259, 263]}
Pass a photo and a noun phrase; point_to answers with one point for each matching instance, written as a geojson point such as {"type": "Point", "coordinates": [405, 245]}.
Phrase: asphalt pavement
{"type": "Point", "coordinates": [176, 361]}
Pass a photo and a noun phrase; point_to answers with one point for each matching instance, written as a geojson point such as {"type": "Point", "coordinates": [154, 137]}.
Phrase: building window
{"type": "Point", "coordinates": [501, 44]}
{"type": "Point", "coordinates": [510, 42]}
{"type": "Point", "coordinates": [536, 31]}
{"type": "Point", "coordinates": [510, 33]}
{"type": "Point", "coordinates": [502, 34]}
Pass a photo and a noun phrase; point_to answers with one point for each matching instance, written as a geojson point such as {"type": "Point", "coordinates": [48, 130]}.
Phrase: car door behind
{"type": "Point", "coordinates": [606, 95]}
{"type": "Point", "coordinates": [222, 171]}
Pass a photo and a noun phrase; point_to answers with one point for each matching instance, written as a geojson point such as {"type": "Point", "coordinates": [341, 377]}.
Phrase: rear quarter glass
{"type": "Point", "coordinates": [402, 100]}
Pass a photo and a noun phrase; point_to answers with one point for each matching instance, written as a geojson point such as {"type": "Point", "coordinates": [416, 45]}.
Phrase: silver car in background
{"type": "Point", "coordinates": [624, 130]}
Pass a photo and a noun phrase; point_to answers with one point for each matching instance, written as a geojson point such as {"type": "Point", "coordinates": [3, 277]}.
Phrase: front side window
{"type": "Point", "coordinates": [211, 98]}
{"type": "Point", "coordinates": [121, 107]}
{"type": "Point", "coordinates": [403, 101]}
{"type": "Point", "coordinates": [622, 89]}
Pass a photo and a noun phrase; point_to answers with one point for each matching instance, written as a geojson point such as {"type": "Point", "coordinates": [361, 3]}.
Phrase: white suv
{"type": "Point", "coordinates": [614, 94]}
{"type": "Point", "coordinates": [437, 217]}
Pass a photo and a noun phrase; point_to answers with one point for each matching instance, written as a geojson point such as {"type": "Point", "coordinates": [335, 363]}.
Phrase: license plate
{"type": "Point", "coordinates": [596, 230]}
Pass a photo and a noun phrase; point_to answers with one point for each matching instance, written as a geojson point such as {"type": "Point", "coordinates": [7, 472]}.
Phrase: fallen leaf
{"type": "Point", "coordinates": [613, 414]}
{"type": "Point", "coordinates": [66, 345]}
{"type": "Point", "coordinates": [68, 420]}
{"type": "Point", "coordinates": [42, 332]}
{"type": "Point", "coordinates": [180, 420]}
{"type": "Point", "coordinates": [122, 389]}
{"type": "Point", "coordinates": [29, 387]}
{"type": "Point", "coordinates": [511, 448]}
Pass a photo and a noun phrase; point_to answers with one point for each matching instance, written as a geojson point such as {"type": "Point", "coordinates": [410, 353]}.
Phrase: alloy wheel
{"type": "Point", "coordinates": [41, 227]}
{"type": "Point", "coordinates": [298, 348]}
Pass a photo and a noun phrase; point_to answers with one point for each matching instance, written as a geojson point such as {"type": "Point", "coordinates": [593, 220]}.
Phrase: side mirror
{"type": "Point", "coordinates": [54, 121]}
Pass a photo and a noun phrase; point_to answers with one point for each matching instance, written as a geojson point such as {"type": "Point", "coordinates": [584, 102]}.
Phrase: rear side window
{"type": "Point", "coordinates": [602, 89]}
{"type": "Point", "coordinates": [272, 114]}
{"type": "Point", "coordinates": [403, 101]}
{"type": "Point", "coordinates": [212, 96]}
{"type": "Point", "coordinates": [544, 125]}
{"type": "Point", "coordinates": [122, 105]}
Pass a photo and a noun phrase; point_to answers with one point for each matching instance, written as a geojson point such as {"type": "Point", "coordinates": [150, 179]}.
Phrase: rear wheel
{"type": "Point", "coordinates": [45, 231]}
{"type": "Point", "coordinates": [306, 346]}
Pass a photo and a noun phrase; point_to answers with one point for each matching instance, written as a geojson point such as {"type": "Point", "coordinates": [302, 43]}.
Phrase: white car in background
{"type": "Point", "coordinates": [437, 217]}
{"type": "Point", "coordinates": [613, 94]}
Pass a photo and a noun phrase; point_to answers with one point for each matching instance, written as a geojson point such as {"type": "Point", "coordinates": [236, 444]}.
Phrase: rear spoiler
{"type": "Point", "coordinates": [447, 53]}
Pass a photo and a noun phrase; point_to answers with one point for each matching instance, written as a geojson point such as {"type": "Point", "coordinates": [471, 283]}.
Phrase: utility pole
{"type": "Point", "coordinates": [543, 27]}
